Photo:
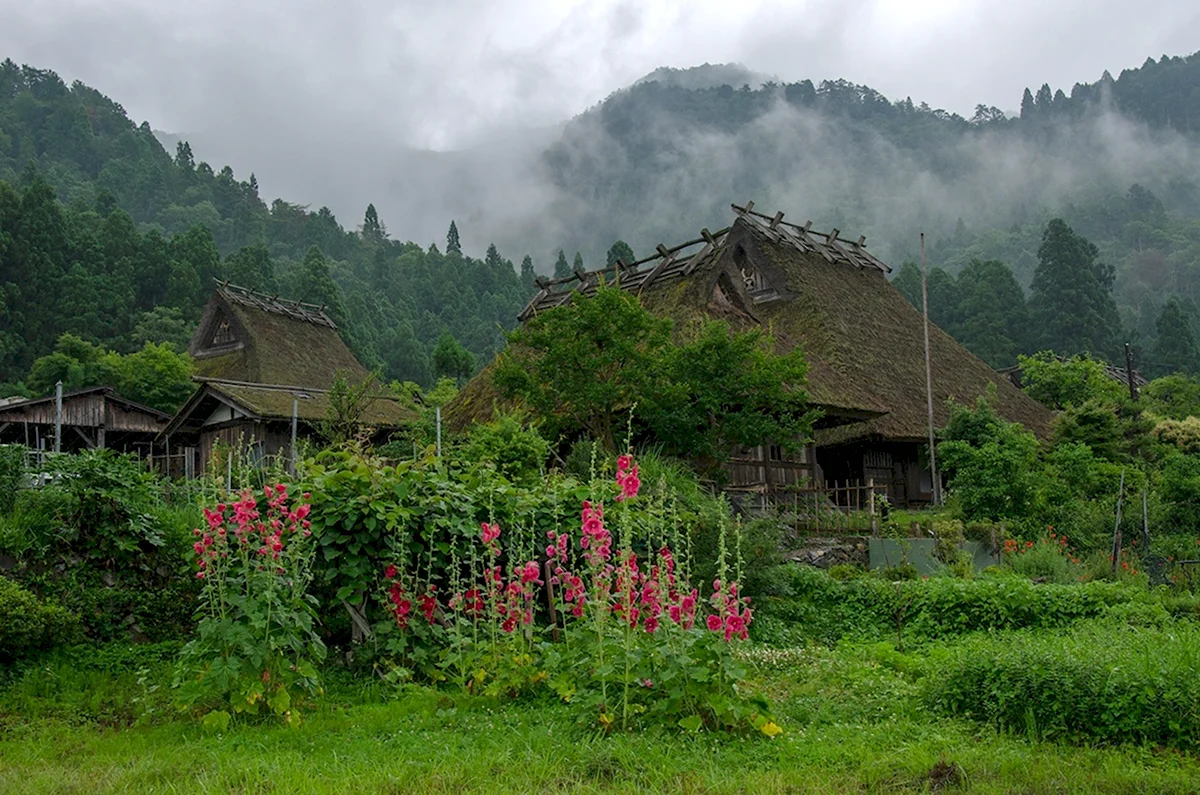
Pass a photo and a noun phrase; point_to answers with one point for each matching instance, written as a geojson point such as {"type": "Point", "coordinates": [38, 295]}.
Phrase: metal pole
{"type": "Point", "coordinates": [933, 473]}
{"type": "Point", "coordinates": [438, 414]}
{"type": "Point", "coordinates": [58, 417]}
{"type": "Point", "coordinates": [1133, 395]}
{"type": "Point", "coordinates": [295, 413]}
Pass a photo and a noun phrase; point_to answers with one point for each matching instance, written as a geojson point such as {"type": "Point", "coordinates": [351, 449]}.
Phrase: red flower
{"type": "Point", "coordinates": [390, 572]}
{"type": "Point", "coordinates": [714, 623]}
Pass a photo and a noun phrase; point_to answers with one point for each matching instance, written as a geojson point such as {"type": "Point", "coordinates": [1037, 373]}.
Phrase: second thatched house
{"type": "Point", "coordinates": [863, 341]}
{"type": "Point", "coordinates": [266, 365]}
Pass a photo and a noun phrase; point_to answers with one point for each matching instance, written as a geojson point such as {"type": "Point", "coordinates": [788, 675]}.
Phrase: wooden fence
{"type": "Point", "coordinates": [839, 506]}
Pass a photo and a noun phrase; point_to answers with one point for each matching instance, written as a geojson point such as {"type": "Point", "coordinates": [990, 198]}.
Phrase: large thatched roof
{"type": "Point", "coordinates": [864, 342]}
{"type": "Point", "coordinates": [252, 337]}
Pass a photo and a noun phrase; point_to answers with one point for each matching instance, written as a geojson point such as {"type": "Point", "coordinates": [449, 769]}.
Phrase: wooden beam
{"type": "Point", "coordinates": [708, 237]}
{"type": "Point", "coordinates": [662, 265]}
{"type": "Point", "coordinates": [541, 282]}
{"type": "Point", "coordinates": [775, 221]}
{"type": "Point", "coordinates": [91, 444]}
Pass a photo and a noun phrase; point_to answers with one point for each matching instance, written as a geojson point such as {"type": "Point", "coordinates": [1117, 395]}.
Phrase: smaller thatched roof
{"type": "Point", "coordinates": [253, 337]}
{"type": "Point", "coordinates": [271, 402]}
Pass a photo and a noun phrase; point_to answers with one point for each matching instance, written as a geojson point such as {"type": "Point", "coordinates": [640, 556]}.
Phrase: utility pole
{"type": "Point", "coordinates": [58, 417]}
{"type": "Point", "coordinates": [933, 472]}
{"type": "Point", "coordinates": [1133, 395]}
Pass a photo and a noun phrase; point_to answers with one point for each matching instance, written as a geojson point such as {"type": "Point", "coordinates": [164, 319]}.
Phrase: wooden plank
{"type": "Point", "coordinates": [656, 272]}
{"type": "Point", "coordinates": [697, 258]}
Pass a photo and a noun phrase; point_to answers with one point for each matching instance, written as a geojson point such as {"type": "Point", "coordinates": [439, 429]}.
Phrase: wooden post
{"type": "Point", "coordinates": [1133, 395]}
{"type": "Point", "coordinates": [58, 417]}
{"type": "Point", "coordinates": [550, 602]}
{"type": "Point", "coordinates": [295, 415]}
{"type": "Point", "coordinates": [871, 496]}
{"type": "Point", "coordinates": [1116, 548]}
{"type": "Point", "coordinates": [1145, 526]}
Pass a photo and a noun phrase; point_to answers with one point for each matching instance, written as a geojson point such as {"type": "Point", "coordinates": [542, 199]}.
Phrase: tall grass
{"type": "Point", "coordinates": [1098, 683]}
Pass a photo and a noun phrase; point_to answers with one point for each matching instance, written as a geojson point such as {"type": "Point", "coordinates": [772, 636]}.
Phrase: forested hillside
{"type": "Point", "coordinates": [105, 235]}
{"type": "Point", "coordinates": [1118, 160]}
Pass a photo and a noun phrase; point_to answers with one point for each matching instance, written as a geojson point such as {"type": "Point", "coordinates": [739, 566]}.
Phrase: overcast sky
{"type": "Point", "coordinates": [450, 73]}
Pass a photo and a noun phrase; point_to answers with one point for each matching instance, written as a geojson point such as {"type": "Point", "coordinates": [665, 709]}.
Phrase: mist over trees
{"type": "Point", "coordinates": [106, 235]}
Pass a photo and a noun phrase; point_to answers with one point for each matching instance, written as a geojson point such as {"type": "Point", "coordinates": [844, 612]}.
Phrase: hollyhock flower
{"type": "Point", "coordinates": [428, 606]}
{"type": "Point", "coordinates": [530, 572]}
{"type": "Point", "coordinates": [714, 623]}
{"type": "Point", "coordinates": [489, 532]}
{"type": "Point", "coordinates": [390, 572]}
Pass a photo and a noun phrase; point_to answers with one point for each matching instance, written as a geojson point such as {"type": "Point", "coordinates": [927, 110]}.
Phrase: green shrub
{"type": "Point", "coordinates": [808, 604]}
{"type": "Point", "coordinates": [518, 453]}
{"type": "Point", "coordinates": [12, 471]}
{"type": "Point", "coordinates": [28, 624]}
{"type": "Point", "coordinates": [1100, 683]}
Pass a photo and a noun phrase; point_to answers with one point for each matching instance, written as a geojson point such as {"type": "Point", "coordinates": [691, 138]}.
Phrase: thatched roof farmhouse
{"type": "Point", "coordinates": [259, 358]}
{"type": "Point", "coordinates": [863, 341]}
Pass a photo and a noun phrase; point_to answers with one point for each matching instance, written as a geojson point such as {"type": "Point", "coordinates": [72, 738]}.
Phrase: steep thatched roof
{"type": "Point", "coordinates": [274, 402]}
{"type": "Point", "coordinates": [248, 336]}
{"type": "Point", "coordinates": [863, 341]}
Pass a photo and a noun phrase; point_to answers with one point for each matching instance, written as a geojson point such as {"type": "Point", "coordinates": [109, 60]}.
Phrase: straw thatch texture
{"type": "Point", "coordinates": [863, 340]}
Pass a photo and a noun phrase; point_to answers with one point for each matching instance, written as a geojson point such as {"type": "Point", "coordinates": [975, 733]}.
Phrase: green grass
{"type": "Point", "coordinates": [853, 720]}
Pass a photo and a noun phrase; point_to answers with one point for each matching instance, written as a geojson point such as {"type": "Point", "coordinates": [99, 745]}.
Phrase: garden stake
{"type": "Point", "coordinates": [1116, 549]}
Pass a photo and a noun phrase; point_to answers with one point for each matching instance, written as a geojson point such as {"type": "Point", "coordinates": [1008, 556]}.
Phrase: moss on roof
{"type": "Point", "coordinates": [863, 341]}
{"type": "Point", "coordinates": [276, 348]}
{"type": "Point", "coordinates": [382, 410]}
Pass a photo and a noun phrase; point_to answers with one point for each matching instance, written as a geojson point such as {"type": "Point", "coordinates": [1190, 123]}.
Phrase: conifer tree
{"type": "Point", "coordinates": [528, 274]}
{"type": "Point", "coordinates": [318, 287]}
{"type": "Point", "coordinates": [1175, 349]}
{"type": "Point", "coordinates": [452, 242]}
{"type": "Point", "coordinates": [1071, 302]}
{"type": "Point", "coordinates": [561, 269]}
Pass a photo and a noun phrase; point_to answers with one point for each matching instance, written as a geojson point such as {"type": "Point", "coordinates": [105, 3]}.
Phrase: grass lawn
{"type": "Point", "coordinates": [853, 722]}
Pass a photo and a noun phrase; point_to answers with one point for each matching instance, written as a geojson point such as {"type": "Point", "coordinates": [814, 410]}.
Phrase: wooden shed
{"type": "Point", "coordinates": [864, 344]}
{"type": "Point", "coordinates": [94, 417]}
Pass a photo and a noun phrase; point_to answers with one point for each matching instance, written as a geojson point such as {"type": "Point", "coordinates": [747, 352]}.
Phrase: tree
{"type": "Point", "coordinates": [580, 365]}
{"type": "Point", "coordinates": [251, 267]}
{"type": "Point", "coordinates": [1175, 349]}
{"type": "Point", "coordinates": [528, 274]}
{"type": "Point", "coordinates": [1027, 108]}
{"type": "Point", "coordinates": [586, 365]}
{"type": "Point", "coordinates": [723, 389]}
{"type": "Point", "coordinates": [619, 250]}
{"type": "Point", "coordinates": [452, 241]}
{"type": "Point", "coordinates": [991, 318]}
{"type": "Point", "coordinates": [452, 360]}
{"type": "Point", "coordinates": [1059, 384]}
{"type": "Point", "coordinates": [561, 269]}
{"type": "Point", "coordinates": [1071, 302]}
{"type": "Point", "coordinates": [577, 265]}
{"type": "Point", "coordinates": [373, 230]}
{"type": "Point", "coordinates": [318, 287]}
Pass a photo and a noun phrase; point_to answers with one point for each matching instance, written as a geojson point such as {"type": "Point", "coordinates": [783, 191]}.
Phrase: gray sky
{"type": "Point", "coordinates": [451, 73]}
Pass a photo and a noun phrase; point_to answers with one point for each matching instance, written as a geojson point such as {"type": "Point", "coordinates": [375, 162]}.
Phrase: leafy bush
{"type": "Point", "coordinates": [809, 605]}
{"type": "Point", "coordinates": [518, 453]}
{"type": "Point", "coordinates": [1180, 490]}
{"type": "Point", "coordinates": [1098, 683]}
{"type": "Point", "coordinates": [29, 625]}
{"type": "Point", "coordinates": [256, 645]}
{"type": "Point", "coordinates": [12, 472]}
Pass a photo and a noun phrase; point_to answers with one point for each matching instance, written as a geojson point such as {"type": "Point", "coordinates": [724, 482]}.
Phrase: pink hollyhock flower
{"type": "Point", "coordinates": [390, 572]}
{"type": "Point", "coordinates": [674, 612]}
{"type": "Point", "coordinates": [489, 532]}
{"type": "Point", "coordinates": [714, 623]}
{"type": "Point", "coordinates": [651, 624]}
{"type": "Point", "coordinates": [623, 463]}
{"type": "Point", "coordinates": [529, 573]}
